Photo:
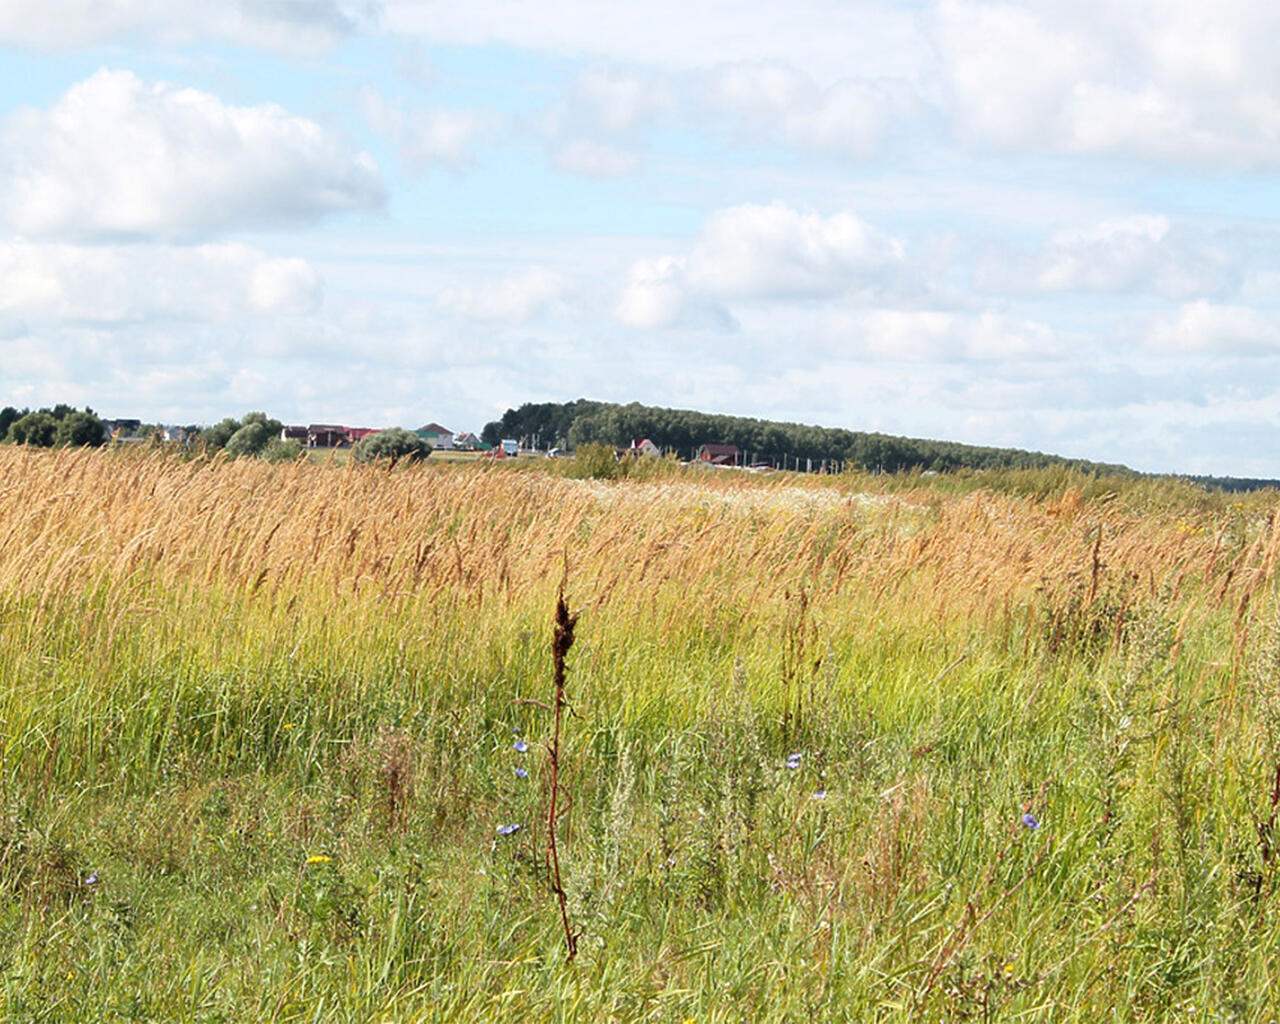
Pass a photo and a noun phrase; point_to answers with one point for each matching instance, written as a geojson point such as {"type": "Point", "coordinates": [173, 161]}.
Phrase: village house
{"type": "Point", "coordinates": [326, 435]}
{"type": "Point", "coordinates": [436, 436]}
{"type": "Point", "coordinates": [468, 442]}
{"type": "Point", "coordinates": [644, 447]}
{"type": "Point", "coordinates": [720, 454]}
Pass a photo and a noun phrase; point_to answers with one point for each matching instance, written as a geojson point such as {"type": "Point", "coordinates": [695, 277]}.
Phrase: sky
{"type": "Point", "coordinates": [1033, 224]}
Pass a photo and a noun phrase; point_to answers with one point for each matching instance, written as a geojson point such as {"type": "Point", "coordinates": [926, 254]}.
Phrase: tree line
{"type": "Point", "coordinates": [60, 425]}
{"type": "Point", "coordinates": [684, 431]}
{"type": "Point", "coordinates": [254, 435]}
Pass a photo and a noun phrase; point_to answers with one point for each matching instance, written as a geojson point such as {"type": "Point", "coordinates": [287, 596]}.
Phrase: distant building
{"type": "Point", "coordinates": [436, 435]}
{"type": "Point", "coordinates": [468, 442]}
{"type": "Point", "coordinates": [119, 429]}
{"type": "Point", "coordinates": [357, 434]}
{"type": "Point", "coordinates": [644, 447]}
{"type": "Point", "coordinates": [720, 454]}
{"type": "Point", "coordinates": [294, 433]}
{"type": "Point", "coordinates": [326, 435]}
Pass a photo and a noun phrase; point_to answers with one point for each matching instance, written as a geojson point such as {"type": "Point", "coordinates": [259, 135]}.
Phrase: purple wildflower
{"type": "Point", "coordinates": [1031, 821]}
{"type": "Point", "coordinates": [508, 830]}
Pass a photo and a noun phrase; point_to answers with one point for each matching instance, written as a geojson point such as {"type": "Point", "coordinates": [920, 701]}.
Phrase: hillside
{"type": "Point", "coordinates": [683, 430]}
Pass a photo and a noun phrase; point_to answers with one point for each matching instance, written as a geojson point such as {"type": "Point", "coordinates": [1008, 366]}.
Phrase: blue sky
{"type": "Point", "coordinates": [1024, 224]}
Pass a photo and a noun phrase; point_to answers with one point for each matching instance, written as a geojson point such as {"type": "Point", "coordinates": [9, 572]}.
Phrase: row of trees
{"type": "Point", "coordinates": [684, 430]}
{"type": "Point", "coordinates": [61, 425]}
{"type": "Point", "coordinates": [254, 435]}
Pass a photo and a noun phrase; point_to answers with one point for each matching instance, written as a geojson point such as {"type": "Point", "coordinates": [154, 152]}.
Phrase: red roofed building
{"type": "Point", "coordinates": [720, 454]}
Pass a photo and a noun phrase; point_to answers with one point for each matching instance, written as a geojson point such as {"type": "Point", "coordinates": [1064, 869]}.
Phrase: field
{"type": "Point", "coordinates": [259, 730]}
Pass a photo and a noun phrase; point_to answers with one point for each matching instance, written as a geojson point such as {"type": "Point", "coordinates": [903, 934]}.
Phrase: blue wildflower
{"type": "Point", "coordinates": [521, 773]}
{"type": "Point", "coordinates": [1031, 821]}
{"type": "Point", "coordinates": [508, 830]}
{"type": "Point", "coordinates": [92, 879]}
{"type": "Point", "coordinates": [820, 795]}
{"type": "Point", "coordinates": [520, 746]}
{"type": "Point", "coordinates": [793, 762]}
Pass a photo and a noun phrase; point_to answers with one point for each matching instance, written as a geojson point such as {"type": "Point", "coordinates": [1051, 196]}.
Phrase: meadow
{"type": "Point", "coordinates": [984, 747]}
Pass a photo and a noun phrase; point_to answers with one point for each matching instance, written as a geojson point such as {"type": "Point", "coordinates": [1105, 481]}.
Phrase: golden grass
{"type": "Point", "coordinates": [79, 521]}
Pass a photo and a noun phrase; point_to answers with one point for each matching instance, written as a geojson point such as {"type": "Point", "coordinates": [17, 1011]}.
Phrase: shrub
{"type": "Point", "coordinates": [394, 443]}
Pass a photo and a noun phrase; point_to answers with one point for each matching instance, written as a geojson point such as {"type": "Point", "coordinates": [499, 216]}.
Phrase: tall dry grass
{"type": "Point", "coordinates": [77, 522]}
{"type": "Point", "coordinates": [215, 670]}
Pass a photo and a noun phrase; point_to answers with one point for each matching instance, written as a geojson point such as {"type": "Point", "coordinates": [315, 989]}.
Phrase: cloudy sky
{"type": "Point", "coordinates": [1041, 224]}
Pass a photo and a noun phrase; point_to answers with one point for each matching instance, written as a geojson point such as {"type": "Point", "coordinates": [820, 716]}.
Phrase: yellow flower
{"type": "Point", "coordinates": [318, 858]}
{"type": "Point", "coordinates": [287, 725]}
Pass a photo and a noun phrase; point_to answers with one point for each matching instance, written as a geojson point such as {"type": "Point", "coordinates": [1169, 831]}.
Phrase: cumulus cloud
{"type": "Point", "coordinates": [594, 130]}
{"type": "Point", "coordinates": [879, 37]}
{"type": "Point", "coordinates": [295, 26]}
{"type": "Point", "coordinates": [777, 103]}
{"type": "Point", "coordinates": [1168, 79]}
{"type": "Point", "coordinates": [1140, 253]}
{"type": "Point", "coordinates": [516, 298]}
{"type": "Point", "coordinates": [779, 250]}
{"type": "Point", "coordinates": [108, 285]}
{"type": "Point", "coordinates": [430, 138]}
{"type": "Point", "coordinates": [119, 157]}
{"type": "Point", "coordinates": [758, 252]}
{"type": "Point", "coordinates": [1206, 327]}
{"type": "Point", "coordinates": [591, 158]}
{"type": "Point", "coordinates": [658, 295]}
{"type": "Point", "coordinates": [932, 336]}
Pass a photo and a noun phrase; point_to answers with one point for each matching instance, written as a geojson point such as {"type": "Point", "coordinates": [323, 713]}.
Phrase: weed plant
{"type": "Point", "coordinates": [839, 749]}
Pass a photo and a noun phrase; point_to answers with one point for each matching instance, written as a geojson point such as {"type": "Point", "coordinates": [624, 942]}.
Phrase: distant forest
{"type": "Point", "coordinates": [683, 431]}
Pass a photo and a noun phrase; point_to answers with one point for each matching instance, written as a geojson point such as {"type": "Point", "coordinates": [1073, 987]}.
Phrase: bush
{"type": "Point", "coordinates": [594, 462]}
{"type": "Point", "coordinates": [394, 443]}
{"type": "Point", "coordinates": [35, 428]}
{"type": "Point", "coordinates": [80, 428]}
{"type": "Point", "coordinates": [281, 451]}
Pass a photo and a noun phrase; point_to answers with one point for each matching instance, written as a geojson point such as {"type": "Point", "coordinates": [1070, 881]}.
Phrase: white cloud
{"type": "Point", "coordinates": [755, 252]}
{"type": "Point", "coordinates": [931, 336]}
{"type": "Point", "coordinates": [1205, 327]}
{"type": "Point", "coordinates": [1167, 79]}
{"type": "Point", "coordinates": [777, 103]}
{"type": "Point", "coordinates": [593, 131]}
{"type": "Point", "coordinates": [118, 157]}
{"type": "Point", "coordinates": [1139, 253]}
{"type": "Point", "coordinates": [430, 138]}
{"type": "Point", "coordinates": [516, 298]}
{"type": "Point", "coordinates": [777, 250]}
{"type": "Point", "coordinates": [881, 39]}
{"type": "Point", "coordinates": [292, 27]}
{"type": "Point", "coordinates": [658, 296]}
{"type": "Point", "coordinates": [593, 159]}
{"type": "Point", "coordinates": [106, 285]}
{"type": "Point", "coordinates": [619, 100]}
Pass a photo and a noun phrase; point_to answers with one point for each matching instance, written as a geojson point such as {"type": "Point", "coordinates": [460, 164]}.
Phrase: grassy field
{"type": "Point", "coordinates": [259, 730]}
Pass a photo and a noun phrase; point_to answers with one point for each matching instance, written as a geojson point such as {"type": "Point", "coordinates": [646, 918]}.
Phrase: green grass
{"type": "Point", "coordinates": [291, 803]}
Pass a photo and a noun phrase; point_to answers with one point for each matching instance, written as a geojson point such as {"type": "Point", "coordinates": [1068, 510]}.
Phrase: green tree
{"type": "Point", "coordinates": [395, 444]}
{"type": "Point", "coordinates": [8, 417]}
{"type": "Point", "coordinates": [35, 428]}
{"type": "Point", "coordinates": [80, 429]}
{"type": "Point", "coordinates": [216, 437]}
{"type": "Point", "coordinates": [250, 439]}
